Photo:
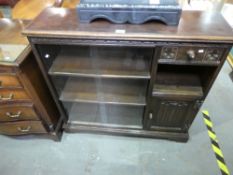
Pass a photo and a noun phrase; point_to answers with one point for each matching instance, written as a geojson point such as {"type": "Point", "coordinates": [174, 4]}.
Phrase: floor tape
{"type": "Point", "coordinates": [214, 143]}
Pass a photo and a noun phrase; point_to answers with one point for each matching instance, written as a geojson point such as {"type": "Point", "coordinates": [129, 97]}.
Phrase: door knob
{"type": "Point", "coordinates": [191, 54]}
{"type": "Point", "coordinates": [150, 116]}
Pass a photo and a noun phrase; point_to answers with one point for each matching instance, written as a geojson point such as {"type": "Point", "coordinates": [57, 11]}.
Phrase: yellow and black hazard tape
{"type": "Point", "coordinates": [214, 143]}
{"type": "Point", "coordinates": [230, 59]}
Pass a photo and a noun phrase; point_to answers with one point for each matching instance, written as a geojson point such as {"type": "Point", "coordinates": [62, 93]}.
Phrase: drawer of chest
{"type": "Point", "coordinates": [7, 69]}
{"type": "Point", "coordinates": [9, 81]}
{"type": "Point", "coordinates": [17, 112]}
{"type": "Point", "coordinates": [191, 54]}
{"type": "Point", "coordinates": [22, 127]}
{"type": "Point", "coordinates": [7, 95]}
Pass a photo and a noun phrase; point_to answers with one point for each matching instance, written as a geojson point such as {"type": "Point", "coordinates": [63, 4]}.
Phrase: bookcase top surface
{"type": "Point", "coordinates": [193, 26]}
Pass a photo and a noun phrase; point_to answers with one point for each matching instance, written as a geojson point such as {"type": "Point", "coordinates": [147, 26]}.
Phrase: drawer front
{"type": "Point", "coordinates": [192, 54]}
{"type": "Point", "coordinates": [9, 81]}
{"type": "Point", "coordinates": [13, 95]}
{"type": "Point", "coordinates": [7, 69]}
{"type": "Point", "coordinates": [22, 128]}
{"type": "Point", "coordinates": [17, 112]}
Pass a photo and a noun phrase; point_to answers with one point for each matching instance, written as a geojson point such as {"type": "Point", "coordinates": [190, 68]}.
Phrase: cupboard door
{"type": "Point", "coordinates": [170, 115]}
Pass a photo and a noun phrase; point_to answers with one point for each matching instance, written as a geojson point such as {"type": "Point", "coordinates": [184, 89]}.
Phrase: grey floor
{"type": "Point", "coordinates": [86, 154]}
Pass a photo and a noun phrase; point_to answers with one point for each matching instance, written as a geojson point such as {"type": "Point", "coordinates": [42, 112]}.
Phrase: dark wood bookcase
{"type": "Point", "coordinates": [149, 81]}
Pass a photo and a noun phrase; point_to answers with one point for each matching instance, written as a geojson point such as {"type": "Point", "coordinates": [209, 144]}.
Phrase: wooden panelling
{"type": "Point", "coordinates": [169, 114]}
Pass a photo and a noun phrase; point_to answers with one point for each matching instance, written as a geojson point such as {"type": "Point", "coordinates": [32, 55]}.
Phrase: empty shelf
{"type": "Point", "coordinates": [110, 91]}
{"type": "Point", "coordinates": [105, 115]}
{"type": "Point", "coordinates": [102, 62]}
{"type": "Point", "coordinates": [180, 91]}
{"type": "Point", "coordinates": [177, 84]}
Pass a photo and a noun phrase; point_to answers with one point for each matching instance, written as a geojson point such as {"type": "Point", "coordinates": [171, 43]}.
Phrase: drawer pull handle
{"type": "Point", "coordinates": [191, 54]}
{"type": "Point", "coordinates": [10, 97]}
{"type": "Point", "coordinates": [27, 129]}
{"type": "Point", "coordinates": [14, 115]}
{"type": "Point", "coordinates": [150, 116]}
{"type": "Point", "coordinates": [0, 83]}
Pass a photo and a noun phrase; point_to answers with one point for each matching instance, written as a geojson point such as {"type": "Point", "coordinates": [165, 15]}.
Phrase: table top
{"type": "Point", "coordinates": [193, 26]}
{"type": "Point", "coordinates": [12, 42]}
{"type": "Point", "coordinates": [29, 9]}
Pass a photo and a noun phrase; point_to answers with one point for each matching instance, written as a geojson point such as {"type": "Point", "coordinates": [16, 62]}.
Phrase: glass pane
{"type": "Point", "coordinates": [104, 86]}
{"type": "Point", "coordinates": [105, 115]}
{"type": "Point", "coordinates": [97, 61]}
{"type": "Point", "coordinates": [98, 90]}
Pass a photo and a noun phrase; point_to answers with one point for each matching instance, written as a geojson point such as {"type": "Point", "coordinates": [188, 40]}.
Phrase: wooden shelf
{"type": "Point", "coordinates": [102, 62]}
{"type": "Point", "coordinates": [177, 84]}
{"type": "Point", "coordinates": [105, 115]}
{"type": "Point", "coordinates": [183, 62]}
{"type": "Point", "coordinates": [108, 91]}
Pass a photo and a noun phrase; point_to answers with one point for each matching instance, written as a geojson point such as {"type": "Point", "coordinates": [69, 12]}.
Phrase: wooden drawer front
{"type": "Point", "coordinates": [191, 54]}
{"type": "Point", "coordinates": [21, 128]}
{"type": "Point", "coordinates": [14, 113]}
{"type": "Point", "coordinates": [9, 81]}
{"type": "Point", "coordinates": [13, 95]}
{"type": "Point", "coordinates": [7, 69]}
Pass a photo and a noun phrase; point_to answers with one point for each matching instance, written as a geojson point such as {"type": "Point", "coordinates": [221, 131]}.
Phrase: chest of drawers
{"type": "Point", "coordinates": [26, 106]}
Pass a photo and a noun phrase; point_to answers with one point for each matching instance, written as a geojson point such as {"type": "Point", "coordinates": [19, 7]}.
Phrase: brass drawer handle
{"type": "Point", "coordinates": [191, 54]}
{"type": "Point", "coordinates": [17, 115]}
{"type": "Point", "coordinates": [10, 97]}
{"type": "Point", "coordinates": [0, 83]}
{"type": "Point", "coordinates": [151, 116]}
{"type": "Point", "coordinates": [27, 129]}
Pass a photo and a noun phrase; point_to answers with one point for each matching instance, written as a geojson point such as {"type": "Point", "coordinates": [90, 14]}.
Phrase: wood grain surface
{"type": "Point", "coordinates": [70, 3]}
{"type": "Point", "coordinates": [10, 31]}
{"type": "Point", "coordinates": [29, 9]}
{"type": "Point", "coordinates": [193, 26]}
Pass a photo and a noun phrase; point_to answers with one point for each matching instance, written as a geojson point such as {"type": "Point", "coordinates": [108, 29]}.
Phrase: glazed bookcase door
{"type": "Point", "coordinates": [99, 86]}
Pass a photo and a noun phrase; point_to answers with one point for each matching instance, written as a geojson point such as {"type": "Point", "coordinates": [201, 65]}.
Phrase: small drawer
{"type": "Point", "coordinates": [22, 128]}
{"type": "Point", "coordinates": [191, 54]}
{"type": "Point", "coordinates": [9, 81]}
{"type": "Point", "coordinates": [13, 95]}
{"type": "Point", "coordinates": [17, 112]}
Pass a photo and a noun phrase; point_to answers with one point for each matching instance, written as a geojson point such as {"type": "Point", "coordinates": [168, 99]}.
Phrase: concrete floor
{"type": "Point", "coordinates": [89, 154]}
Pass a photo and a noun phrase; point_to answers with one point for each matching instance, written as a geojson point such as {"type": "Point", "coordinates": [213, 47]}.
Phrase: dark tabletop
{"type": "Point", "coordinates": [193, 26]}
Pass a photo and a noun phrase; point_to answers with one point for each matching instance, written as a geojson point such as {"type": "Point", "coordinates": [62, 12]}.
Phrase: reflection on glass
{"type": "Point", "coordinates": [100, 86]}
{"type": "Point", "coordinates": [105, 115]}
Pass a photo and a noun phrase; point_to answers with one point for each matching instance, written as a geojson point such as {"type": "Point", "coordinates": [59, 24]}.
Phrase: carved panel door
{"type": "Point", "coordinates": [168, 114]}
